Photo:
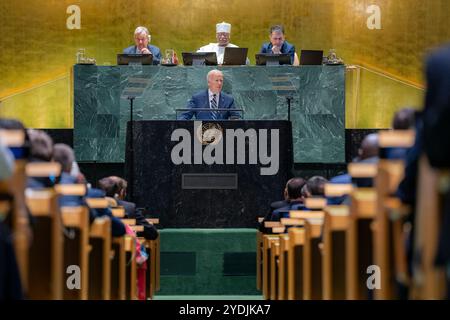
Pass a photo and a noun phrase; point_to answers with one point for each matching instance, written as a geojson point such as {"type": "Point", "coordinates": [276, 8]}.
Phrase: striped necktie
{"type": "Point", "coordinates": [214, 106]}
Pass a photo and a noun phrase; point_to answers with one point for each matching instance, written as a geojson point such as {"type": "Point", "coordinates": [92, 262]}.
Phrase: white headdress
{"type": "Point", "coordinates": [223, 27]}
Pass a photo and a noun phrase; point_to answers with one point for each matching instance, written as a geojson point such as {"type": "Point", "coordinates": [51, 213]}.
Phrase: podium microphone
{"type": "Point", "coordinates": [289, 99]}
{"type": "Point", "coordinates": [131, 153]}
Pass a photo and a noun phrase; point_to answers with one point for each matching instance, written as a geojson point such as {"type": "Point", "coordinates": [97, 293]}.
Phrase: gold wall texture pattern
{"type": "Point", "coordinates": [37, 50]}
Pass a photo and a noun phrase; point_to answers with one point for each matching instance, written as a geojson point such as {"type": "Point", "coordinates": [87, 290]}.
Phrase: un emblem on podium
{"type": "Point", "coordinates": [209, 133]}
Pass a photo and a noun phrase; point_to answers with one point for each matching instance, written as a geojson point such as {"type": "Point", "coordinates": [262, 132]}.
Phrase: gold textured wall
{"type": "Point", "coordinates": [37, 50]}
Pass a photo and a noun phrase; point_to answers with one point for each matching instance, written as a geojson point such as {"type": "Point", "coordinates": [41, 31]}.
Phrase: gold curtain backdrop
{"type": "Point", "coordinates": [37, 50]}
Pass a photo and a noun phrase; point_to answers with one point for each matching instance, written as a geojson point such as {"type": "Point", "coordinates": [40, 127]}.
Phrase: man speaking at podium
{"type": "Point", "coordinates": [213, 98]}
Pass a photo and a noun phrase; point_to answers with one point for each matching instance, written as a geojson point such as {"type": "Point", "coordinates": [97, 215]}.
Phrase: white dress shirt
{"type": "Point", "coordinates": [214, 47]}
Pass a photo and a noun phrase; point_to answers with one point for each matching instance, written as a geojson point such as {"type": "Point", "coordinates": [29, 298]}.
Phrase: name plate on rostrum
{"type": "Point", "coordinates": [209, 181]}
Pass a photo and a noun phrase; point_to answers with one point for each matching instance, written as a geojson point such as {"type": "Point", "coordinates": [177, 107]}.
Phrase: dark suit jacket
{"type": "Point", "coordinates": [154, 50]}
{"type": "Point", "coordinates": [341, 179]}
{"type": "Point", "coordinates": [273, 206]}
{"type": "Point", "coordinates": [285, 48]}
{"type": "Point", "coordinates": [283, 212]}
{"type": "Point", "coordinates": [278, 204]}
{"type": "Point", "coordinates": [436, 114]}
{"type": "Point", "coordinates": [117, 227]}
{"type": "Point", "coordinates": [201, 100]}
{"type": "Point", "coordinates": [150, 232]}
{"type": "Point", "coordinates": [279, 209]}
{"type": "Point", "coordinates": [435, 134]}
{"type": "Point", "coordinates": [40, 182]}
{"type": "Point", "coordinates": [69, 201]}
{"type": "Point", "coordinates": [10, 284]}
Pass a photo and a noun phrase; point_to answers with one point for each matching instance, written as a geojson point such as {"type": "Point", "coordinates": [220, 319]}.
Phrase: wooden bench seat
{"type": "Point", "coordinates": [100, 259]}
{"type": "Point", "coordinates": [359, 242]}
{"type": "Point", "coordinates": [76, 244]}
{"type": "Point", "coordinates": [315, 203]}
{"type": "Point", "coordinates": [283, 268]}
{"type": "Point", "coordinates": [388, 232]}
{"type": "Point", "coordinates": [338, 190]}
{"type": "Point", "coordinates": [267, 243]}
{"type": "Point", "coordinates": [46, 253]}
{"type": "Point", "coordinates": [76, 250]}
{"type": "Point", "coordinates": [429, 280]}
{"type": "Point", "coordinates": [274, 267]}
{"type": "Point", "coordinates": [312, 260]}
{"type": "Point", "coordinates": [45, 259]}
{"type": "Point", "coordinates": [334, 253]}
{"type": "Point", "coordinates": [295, 263]}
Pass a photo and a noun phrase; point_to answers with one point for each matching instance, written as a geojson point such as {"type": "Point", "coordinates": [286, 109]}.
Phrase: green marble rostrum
{"type": "Point", "coordinates": [102, 109]}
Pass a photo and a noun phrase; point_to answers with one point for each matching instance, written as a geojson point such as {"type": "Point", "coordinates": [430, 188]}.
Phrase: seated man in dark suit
{"type": "Point", "coordinates": [367, 153]}
{"type": "Point", "coordinates": [289, 191]}
{"type": "Point", "coordinates": [141, 40]}
{"type": "Point", "coordinates": [116, 188]}
{"type": "Point", "coordinates": [213, 98]}
{"type": "Point", "coordinates": [278, 44]}
{"type": "Point", "coordinates": [293, 198]}
{"type": "Point", "coordinates": [314, 187]}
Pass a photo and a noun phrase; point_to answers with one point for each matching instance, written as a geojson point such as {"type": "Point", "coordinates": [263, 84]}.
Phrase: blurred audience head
{"type": "Point", "coordinates": [404, 119]}
{"type": "Point", "coordinates": [314, 187]}
{"type": "Point", "coordinates": [11, 124]}
{"type": "Point", "coordinates": [114, 187]}
{"type": "Point", "coordinates": [41, 145]}
{"type": "Point", "coordinates": [64, 155]}
{"type": "Point", "coordinates": [109, 186]}
{"type": "Point", "coordinates": [121, 187]}
{"type": "Point", "coordinates": [14, 124]}
{"type": "Point", "coordinates": [369, 147]}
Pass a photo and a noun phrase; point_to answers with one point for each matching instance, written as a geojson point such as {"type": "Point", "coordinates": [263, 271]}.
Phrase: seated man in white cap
{"type": "Point", "coordinates": [223, 31]}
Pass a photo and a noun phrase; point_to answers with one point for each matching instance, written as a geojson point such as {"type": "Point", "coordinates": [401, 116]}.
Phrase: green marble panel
{"type": "Point", "coordinates": [86, 149]}
{"type": "Point", "coordinates": [318, 137]}
{"type": "Point", "coordinates": [208, 248]}
{"type": "Point", "coordinates": [102, 109]}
